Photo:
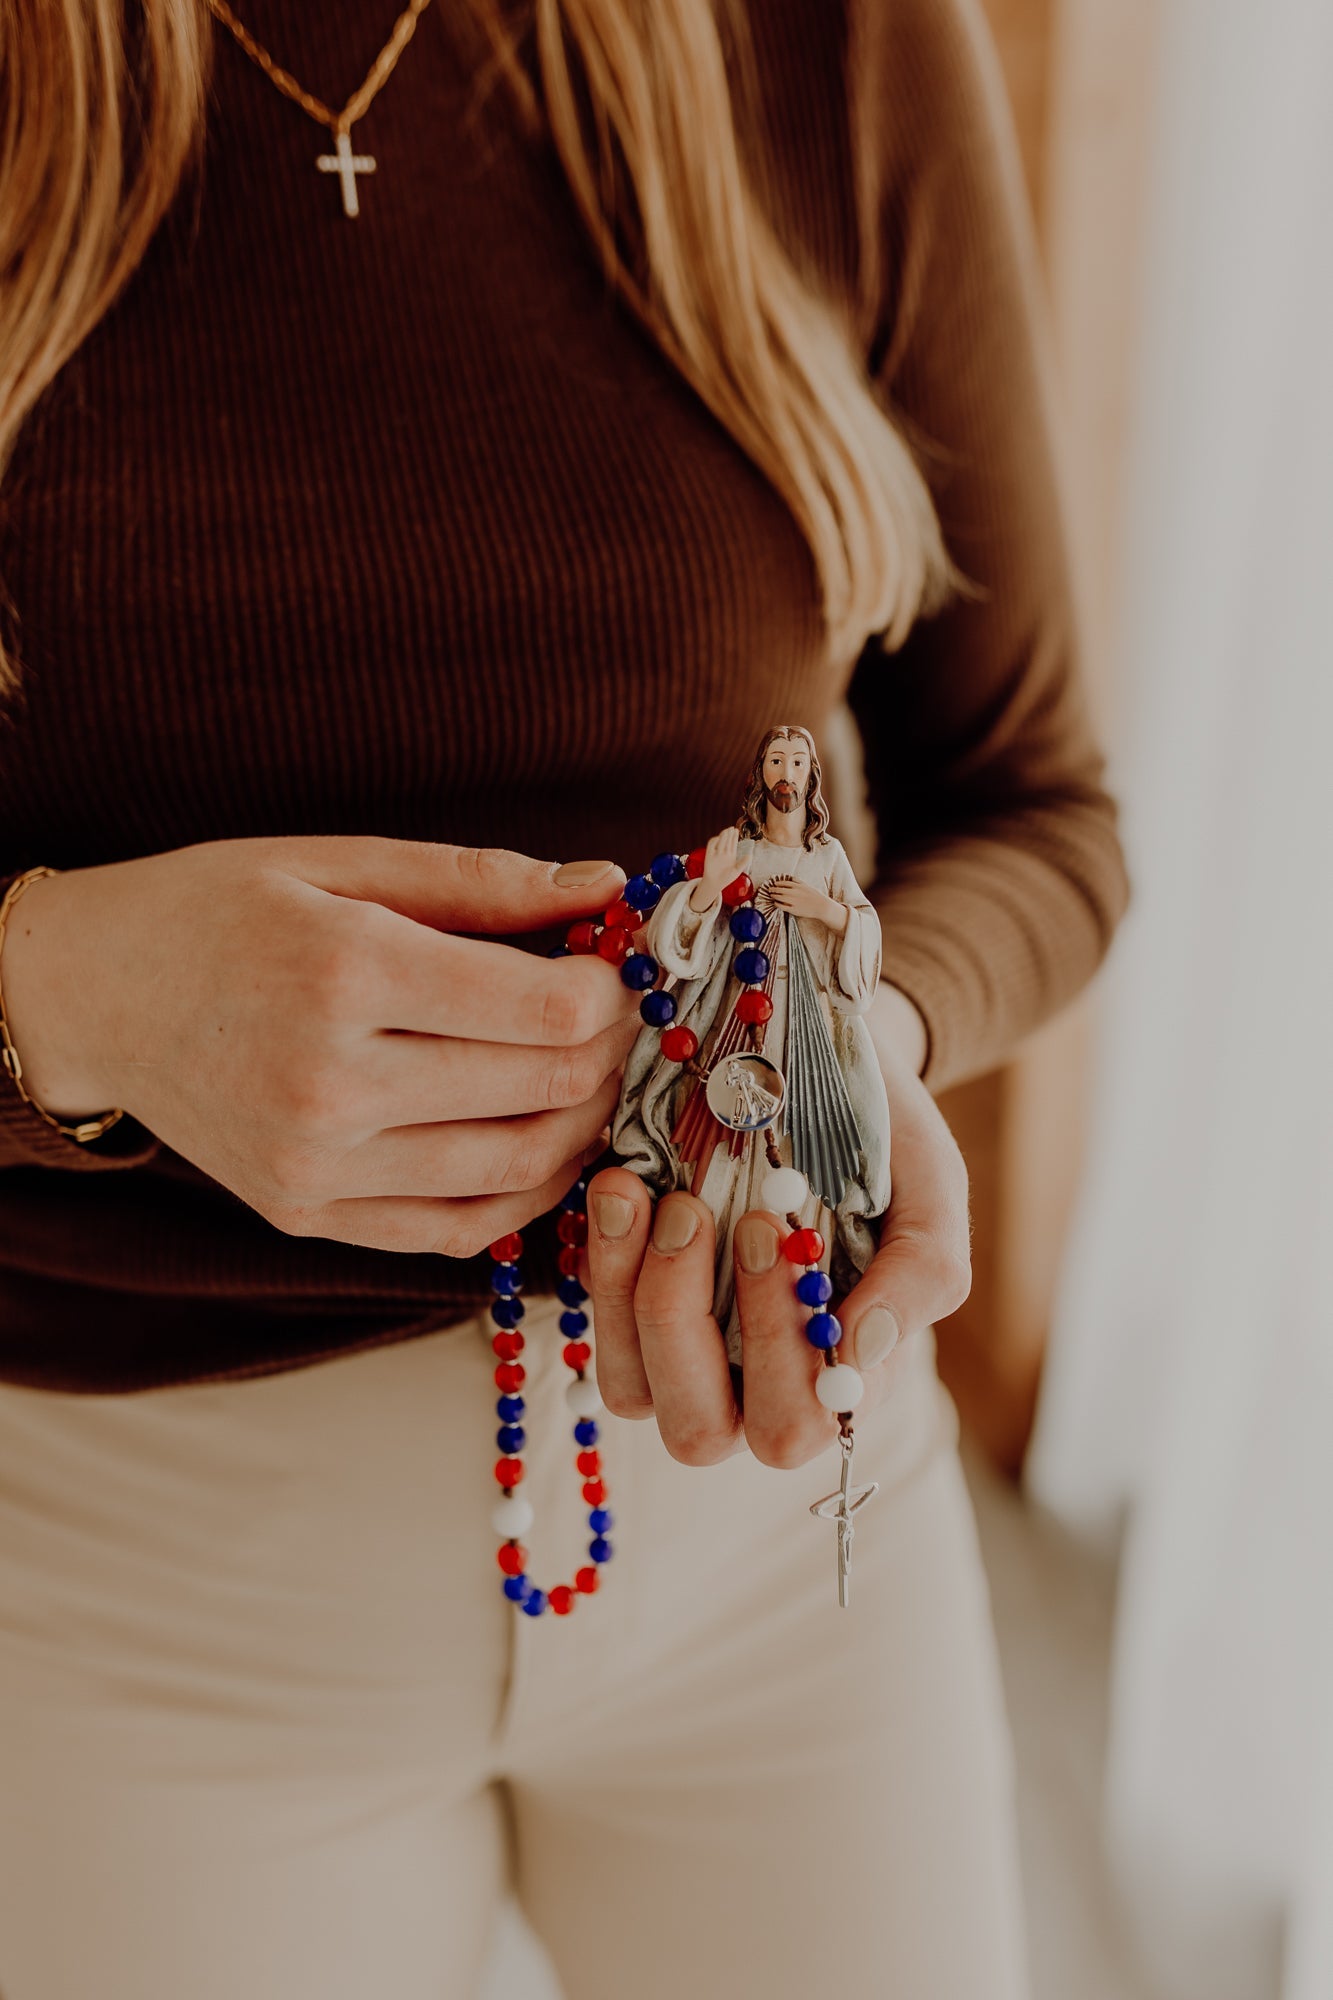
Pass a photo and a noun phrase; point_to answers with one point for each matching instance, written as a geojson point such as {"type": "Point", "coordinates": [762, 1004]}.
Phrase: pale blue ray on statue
{"type": "Point", "coordinates": [825, 1137]}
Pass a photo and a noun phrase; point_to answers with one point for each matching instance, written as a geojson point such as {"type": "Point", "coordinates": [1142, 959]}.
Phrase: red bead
{"type": "Point", "coordinates": [587, 1579]}
{"type": "Point", "coordinates": [679, 1044]}
{"type": "Point", "coordinates": [594, 1492]}
{"type": "Point", "coordinates": [694, 866]}
{"type": "Point", "coordinates": [577, 1354]}
{"type": "Point", "coordinates": [613, 946]}
{"type": "Point", "coordinates": [582, 937]}
{"type": "Point", "coordinates": [508, 1345]}
{"type": "Point", "coordinates": [754, 1006]}
{"type": "Point", "coordinates": [561, 1599]}
{"type": "Point", "coordinates": [620, 917]}
{"type": "Point", "coordinates": [567, 1263]}
{"type": "Point", "coordinates": [804, 1246]}
{"type": "Point", "coordinates": [589, 1463]}
{"type": "Point", "coordinates": [510, 1377]}
{"type": "Point", "coordinates": [507, 1249]}
{"type": "Point", "coordinates": [510, 1470]}
{"type": "Point", "coordinates": [572, 1228]}
{"type": "Point", "coordinates": [513, 1558]}
{"type": "Point", "coordinates": [738, 892]}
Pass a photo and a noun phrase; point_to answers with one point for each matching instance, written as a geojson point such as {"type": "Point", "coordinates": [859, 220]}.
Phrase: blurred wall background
{"type": "Point", "coordinates": [1187, 1404]}
{"type": "Point", "coordinates": [1153, 1177]}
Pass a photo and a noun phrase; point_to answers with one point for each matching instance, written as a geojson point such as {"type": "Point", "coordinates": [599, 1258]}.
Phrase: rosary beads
{"type": "Point", "coordinates": [513, 1516]}
{"type": "Point", "coordinates": [744, 1092]}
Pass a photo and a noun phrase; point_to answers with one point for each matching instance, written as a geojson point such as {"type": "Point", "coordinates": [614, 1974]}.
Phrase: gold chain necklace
{"type": "Point", "coordinates": [345, 163]}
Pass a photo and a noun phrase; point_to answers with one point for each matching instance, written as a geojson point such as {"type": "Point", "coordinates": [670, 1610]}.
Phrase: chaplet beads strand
{"type": "Point", "coordinates": [838, 1386]}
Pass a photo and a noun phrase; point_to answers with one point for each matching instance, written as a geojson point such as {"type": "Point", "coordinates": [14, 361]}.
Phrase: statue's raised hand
{"type": "Point", "coordinates": [720, 867]}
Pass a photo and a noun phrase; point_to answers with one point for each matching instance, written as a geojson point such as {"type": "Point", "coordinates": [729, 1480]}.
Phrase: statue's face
{"type": "Point", "coordinates": [786, 773]}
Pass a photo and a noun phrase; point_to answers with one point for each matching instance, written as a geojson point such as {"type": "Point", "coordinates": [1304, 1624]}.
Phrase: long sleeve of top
{"type": "Point", "coordinates": [1000, 875]}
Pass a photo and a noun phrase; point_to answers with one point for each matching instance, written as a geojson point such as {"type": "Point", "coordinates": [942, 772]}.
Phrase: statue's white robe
{"type": "Point", "coordinates": [697, 951]}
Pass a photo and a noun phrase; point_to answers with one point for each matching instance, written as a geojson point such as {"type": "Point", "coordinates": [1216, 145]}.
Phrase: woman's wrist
{"type": "Point", "coordinates": [37, 966]}
{"type": "Point", "coordinates": [898, 1029]}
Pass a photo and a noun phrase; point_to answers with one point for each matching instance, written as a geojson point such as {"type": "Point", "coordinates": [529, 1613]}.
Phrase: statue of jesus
{"type": "Point", "coordinates": [822, 941]}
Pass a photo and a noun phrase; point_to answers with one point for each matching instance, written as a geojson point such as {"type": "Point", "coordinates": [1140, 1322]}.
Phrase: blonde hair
{"type": "Point", "coordinates": [96, 135]}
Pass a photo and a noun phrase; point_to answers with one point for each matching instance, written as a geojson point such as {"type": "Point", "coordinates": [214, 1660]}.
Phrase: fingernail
{"type": "Point", "coordinates": [613, 1215]}
{"type": "Point", "coordinates": [876, 1336]}
{"type": "Point", "coordinates": [675, 1226]}
{"type": "Point", "coordinates": [577, 874]}
{"type": "Point", "coordinates": [756, 1244]}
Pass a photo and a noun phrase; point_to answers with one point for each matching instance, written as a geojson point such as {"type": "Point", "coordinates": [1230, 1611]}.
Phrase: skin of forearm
{"type": "Point", "coordinates": [897, 1029]}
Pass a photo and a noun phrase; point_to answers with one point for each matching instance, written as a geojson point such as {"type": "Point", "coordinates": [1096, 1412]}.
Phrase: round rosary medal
{"type": "Point", "coordinates": [745, 1092]}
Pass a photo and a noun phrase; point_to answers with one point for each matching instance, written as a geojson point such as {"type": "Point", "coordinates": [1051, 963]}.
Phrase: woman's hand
{"type": "Point", "coordinates": [659, 1350]}
{"type": "Point", "coordinates": [801, 899]}
{"type": "Point", "coordinates": [720, 868]}
{"type": "Point", "coordinates": [297, 1017]}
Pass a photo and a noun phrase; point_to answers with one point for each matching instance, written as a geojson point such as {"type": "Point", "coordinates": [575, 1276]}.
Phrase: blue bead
{"type": "Point", "coordinates": [751, 966]}
{"type": "Point", "coordinates": [535, 1603]}
{"type": "Point", "coordinates": [666, 869]}
{"type": "Point", "coordinates": [814, 1288]}
{"type": "Point", "coordinates": [600, 1520]}
{"type": "Point", "coordinates": [516, 1588]}
{"type": "Point", "coordinates": [509, 1409]}
{"type": "Point", "coordinates": [747, 926]}
{"type": "Point", "coordinates": [577, 1198]}
{"type": "Point", "coordinates": [642, 893]}
{"type": "Point", "coordinates": [511, 1438]}
{"type": "Point", "coordinates": [507, 1312]}
{"type": "Point", "coordinates": [572, 1324]}
{"type": "Point", "coordinates": [570, 1292]}
{"type": "Point", "coordinates": [585, 1432]}
{"type": "Point", "coordinates": [823, 1330]}
{"type": "Point", "coordinates": [600, 1549]}
{"type": "Point", "coordinates": [658, 1009]}
{"type": "Point", "coordinates": [559, 951]}
{"type": "Point", "coordinates": [639, 971]}
{"type": "Point", "coordinates": [506, 1279]}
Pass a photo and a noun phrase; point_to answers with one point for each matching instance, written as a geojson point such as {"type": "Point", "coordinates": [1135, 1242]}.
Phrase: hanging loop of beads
{"type": "Point", "coordinates": [513, 1515]}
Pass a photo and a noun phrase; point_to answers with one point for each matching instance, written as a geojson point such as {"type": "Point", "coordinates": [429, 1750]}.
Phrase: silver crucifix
{"type": "Point", "coordinates": [347, 164]}
{"type": "Point", "coordinates": [841, 1506]}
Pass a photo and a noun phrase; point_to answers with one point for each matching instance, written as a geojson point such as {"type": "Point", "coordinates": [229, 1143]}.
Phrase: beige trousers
{"type": "Point", "coordinates": [270, 1731]}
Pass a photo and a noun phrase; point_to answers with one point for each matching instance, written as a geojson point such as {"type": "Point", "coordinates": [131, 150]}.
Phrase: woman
{"type": "Point", "coordinates": [644, 389]}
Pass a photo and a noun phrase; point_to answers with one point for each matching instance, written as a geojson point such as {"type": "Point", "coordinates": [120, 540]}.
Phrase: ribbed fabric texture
{"type": "Point", "coordinates": [401, 525]}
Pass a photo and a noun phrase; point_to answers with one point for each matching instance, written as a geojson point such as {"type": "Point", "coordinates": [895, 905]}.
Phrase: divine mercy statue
{"type": "Point", "coordinates": [785, 1074]}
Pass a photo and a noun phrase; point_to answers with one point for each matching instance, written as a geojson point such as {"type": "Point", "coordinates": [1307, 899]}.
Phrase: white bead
{"type": "Point", "coordinates": [784, 1190]}
{"type": "Point", "coordinates": [839, 1387]}
{"type": "Point", "coordinates": [512, 1517]}
{"type": "Point", "coordinates": [583, 1398]}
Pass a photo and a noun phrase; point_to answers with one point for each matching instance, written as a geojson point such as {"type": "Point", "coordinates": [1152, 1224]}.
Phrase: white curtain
{"type": "Point", "coordinates": [1188, 1405]}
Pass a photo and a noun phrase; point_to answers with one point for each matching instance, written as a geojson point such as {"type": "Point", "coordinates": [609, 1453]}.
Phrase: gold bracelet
{"type": "Point", "coordinates": [87, 1128]}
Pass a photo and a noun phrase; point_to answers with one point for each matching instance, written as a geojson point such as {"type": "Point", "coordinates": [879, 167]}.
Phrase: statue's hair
{"type": "Point", "coordinates": [753, 814]}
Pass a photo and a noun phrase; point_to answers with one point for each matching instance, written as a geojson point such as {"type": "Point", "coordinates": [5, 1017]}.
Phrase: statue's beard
{"type": "Point", "coordinates": [783, 797]}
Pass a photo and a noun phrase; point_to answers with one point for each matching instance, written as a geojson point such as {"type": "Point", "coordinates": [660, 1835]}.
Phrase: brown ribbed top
{"type": "Point", "coordinates": [401, 525]}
